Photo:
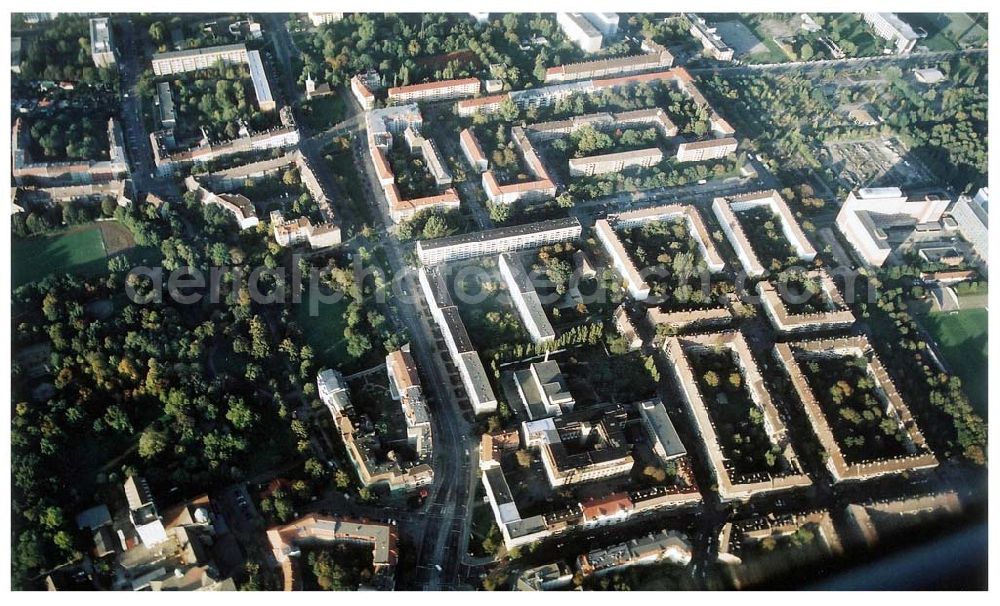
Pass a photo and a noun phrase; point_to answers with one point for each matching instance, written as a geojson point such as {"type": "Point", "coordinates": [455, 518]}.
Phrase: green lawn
{"type": "Point", "coordinates": [79, 250]}
{"type": "Point", "coordinates": [962, 339]}
{"type": "Point", "coordinates": [325, 331]}
{"type": "Point", "coordinates": [84, 249]}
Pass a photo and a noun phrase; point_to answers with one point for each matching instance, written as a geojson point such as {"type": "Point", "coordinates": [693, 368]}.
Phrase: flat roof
{"type": "Point", "coordinates": [259, 78]}
{"type": "Point", "coordinates": [708, 143]}
{"type": "Point", "coordinates": [194, 52]}
{"type": "Point", "coordinates": [655, 415]}
{"type": "Point", "coordinates": [413, 88]}
{"type": "Point", "coordinates": [649, 152]}
{"type": "Point", "coordinates": [499, 233]}
{"type": "Point", "coordinates": [455, 326]}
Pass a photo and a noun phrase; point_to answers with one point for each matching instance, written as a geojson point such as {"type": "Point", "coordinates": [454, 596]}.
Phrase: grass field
{"type": "Point", "coordinates": [962, 339]}
{"type": "Point", "coordinates": [325, 332]}
{"type": "Point", "coordinates": [84, 250]}
{"type": "Point", "coordinates": [949, 31]}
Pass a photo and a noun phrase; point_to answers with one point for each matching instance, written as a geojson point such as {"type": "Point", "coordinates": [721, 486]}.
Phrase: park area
{"type": "Point", "coordinates": [84, 250]}
{"type": "Point", "coordinates": [961, 337]}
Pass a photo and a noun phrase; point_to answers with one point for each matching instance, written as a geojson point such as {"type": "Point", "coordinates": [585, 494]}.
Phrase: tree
{"type": "Point", "coordinates": [152, 443]}
{"type": "Point", "coordinates": [436, 227]}
{"type": "Point", "coordinates": [158, 32]}
{"type": "Point", "coordinates": [524, 458]}
{"type": "Point", "coordinates": [711, 378]}
{"type": "Point", "coordinates": [341, 479]}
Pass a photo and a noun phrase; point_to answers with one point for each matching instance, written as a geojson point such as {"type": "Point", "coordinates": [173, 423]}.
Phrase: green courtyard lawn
{"type": "Point", "coordinates": [84, 249]}
{"type": "Point", "coordinates": [324, 331]}
{"type": "Point", "coordinates": [961, 337]}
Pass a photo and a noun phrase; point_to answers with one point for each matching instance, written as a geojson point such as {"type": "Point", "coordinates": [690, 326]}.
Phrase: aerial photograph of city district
{"type": "Point", "coordinates": [497, 301]}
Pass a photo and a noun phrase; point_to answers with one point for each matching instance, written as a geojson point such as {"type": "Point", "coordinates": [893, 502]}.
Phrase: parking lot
{"type": "Point", "coordinates": [876, 162]}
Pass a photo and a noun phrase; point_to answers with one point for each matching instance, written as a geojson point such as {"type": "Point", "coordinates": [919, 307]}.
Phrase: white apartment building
{"type": "Point", "coordinates": [709, 149]}
{"type": "Point", "coordinates": [291, 232]}
{"type": "Point", "coordinates": [102, 45]}
{"type": "Point", "coordinates": [319, 19]}
{"type": "Point", "coordinates": [890, 27]}
{"type": "Point", "coordinates": [616, 162]}
{"type": "Point", "coordinates": [362, 92]}
{"type": "Point", "coordinates": [543, 390]}
{"type": "Point", "coordinates": [261, 87]}
{"type": "Point", "coordinates": [473, 151]}
{"type": "Point", "coordinates": [876, 220]}
{"type": "Point", "coordinates": [435, 91]}
{"type": "Point", "coordinates": [606, 23]}
{"type": "Point", "coordinates": [525, 298]}
{"type": "Point", "coordinates": [179, 62]}
{"type": "Point", "coordinates": [710, 40]}
{"type": "Point", "coordinates": [496, 241]}
{"type": "Point", "coordinates": [580, 31]}
{"type": "Point", "coordinates": [636, 284]}
{"type": "Point", "coordinates": [463, 355]}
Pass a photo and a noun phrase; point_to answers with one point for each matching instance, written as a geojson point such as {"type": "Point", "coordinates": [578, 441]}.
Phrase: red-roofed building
{"type": "Point", "coordinates": [486, 105]}
{"type": "Point", "coordinates": [432, 91]}
{"type": "Point", "coordinates": [607, 510]}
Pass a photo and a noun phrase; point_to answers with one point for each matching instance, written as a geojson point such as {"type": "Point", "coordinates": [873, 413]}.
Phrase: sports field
{"type": "Point", "coordinates": [84, 249]}
{"type": "Point", "coordinates": [962, 339]}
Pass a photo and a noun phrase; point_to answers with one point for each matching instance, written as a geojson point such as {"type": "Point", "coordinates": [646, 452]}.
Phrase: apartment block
{"type": "Point", "coordinates": [733, 486]}
{"type": "Point", "coordinates": [725, 210]}
{"type": "Point", "coordinates": [773, 301]}
{"type": "Point", "coordinates": [919, 456]}
{"type": "Point", "coordinates": [543, 390]}
{"type": "Point", "coordinates": [486, 105]}
{"type": "Point", "coordinates": [261, 87]}
{"type": "Point", "coordinates": [102, 44]}
{"type": "Point", "coordinates": [658, 58]}
{"type": "Point", "coordinates": [499, 240]}
{"type": "Point", "coordinates": [459, 345]}
{"type": "Point", "coordinates": [290, 232]}
{"type": "Point", "coordinates": [616, 162]}
{"type": "Point", "coordinates": [435, 91]}
{"type": "Point", "coordinates": [525, 298]}
{"type": "Point", "coordinates": [580, 31]}
{"type": "Point", "coordinates": [179, 62]}
{"type": "Point", "coordinates": [710, 40]}
{"type": "Point", "coordinates": [890, 27]}
{"type": "Point", "coordinates": [361, 92]}
{"type": "Point", "coordinates": [473, 151]}
{"type": "Point", "coordinates": [709, 149]}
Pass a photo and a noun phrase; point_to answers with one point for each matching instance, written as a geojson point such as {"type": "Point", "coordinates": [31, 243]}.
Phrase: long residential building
{"type": "Point", "coordinates": [890, 27]}
{"type": "Point", "coordinates": [733, 485]}
{"type": "Point", "coordinates": [918, 454]}
{"type": "Point", "coordinates": [525, 299]}
{"type": "Point", "coordinates": [710, 40]}
{"type": "Point", "coordinates": [499, 240]}
{"type": "Point", "coordinates": [179, 62]}
{"type": "Point", "coordinates": [580, 31]}
{"type": "Point", "coordinates": [659, 58]}
{"type": "Point", "coordinates": [616, 162]}
{"type": "Point", "coordinates": [709, 149]}
{"type": "Point", "coordinates": [725, 210]}
{"type": "Point", "coordinates": [473, 151]}
{"type": "Point", "coordinates": [456, 338]}
{"type": "Point", "coordinates": [435, 91]}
